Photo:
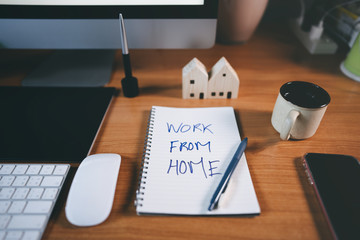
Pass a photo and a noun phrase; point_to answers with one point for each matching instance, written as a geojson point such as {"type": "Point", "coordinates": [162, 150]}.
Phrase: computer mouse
{"type": "Point", "coordinates": [92, 191]}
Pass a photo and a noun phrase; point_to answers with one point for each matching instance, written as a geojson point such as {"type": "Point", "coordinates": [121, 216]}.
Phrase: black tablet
{"type": "Point", "coordinates": [50, 124]}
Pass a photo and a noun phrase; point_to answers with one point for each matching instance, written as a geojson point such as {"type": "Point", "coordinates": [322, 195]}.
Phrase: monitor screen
{"type": "Point", "coordinates": [80, 25]}
{"type": "Point", "coordinates": [94, 24]}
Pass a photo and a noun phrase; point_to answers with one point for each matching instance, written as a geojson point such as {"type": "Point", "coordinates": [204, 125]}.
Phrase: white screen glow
{"type": "Point", "coordinates": [101, 2]}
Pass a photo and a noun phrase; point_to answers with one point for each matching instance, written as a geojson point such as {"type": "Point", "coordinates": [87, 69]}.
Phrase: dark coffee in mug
{"type": "Point", "coordinates": [305, 94]}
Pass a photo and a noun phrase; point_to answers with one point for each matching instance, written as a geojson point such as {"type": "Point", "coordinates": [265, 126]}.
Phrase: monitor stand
{"type": "Point", "coordinates": [73, 68]}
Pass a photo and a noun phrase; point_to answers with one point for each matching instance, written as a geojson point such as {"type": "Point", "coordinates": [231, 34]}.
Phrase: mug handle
{"type": "Point", "coordinates": [288, 124]}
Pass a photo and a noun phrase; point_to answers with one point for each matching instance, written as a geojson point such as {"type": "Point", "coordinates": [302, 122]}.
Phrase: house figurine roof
{"type": "Point", "coordinates": [194, 63]}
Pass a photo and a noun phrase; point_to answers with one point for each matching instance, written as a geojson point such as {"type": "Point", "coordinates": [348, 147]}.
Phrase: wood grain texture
{"type": "Point", "coordinates": [272, 57]}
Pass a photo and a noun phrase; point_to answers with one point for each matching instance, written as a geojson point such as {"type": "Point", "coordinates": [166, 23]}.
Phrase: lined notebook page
{"type": "Point", "coordinates": [188, 152]}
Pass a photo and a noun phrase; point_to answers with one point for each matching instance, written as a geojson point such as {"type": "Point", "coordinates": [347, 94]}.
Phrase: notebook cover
{"type": "Point", "coordinates": [50, 124]}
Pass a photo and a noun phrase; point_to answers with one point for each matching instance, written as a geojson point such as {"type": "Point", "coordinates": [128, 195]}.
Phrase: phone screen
{"type": "Point", "coordinates": [336, 179]}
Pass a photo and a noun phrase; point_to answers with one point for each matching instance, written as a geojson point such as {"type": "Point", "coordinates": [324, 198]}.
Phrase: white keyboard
{"type": "Point", "coordinates": [28, 193]}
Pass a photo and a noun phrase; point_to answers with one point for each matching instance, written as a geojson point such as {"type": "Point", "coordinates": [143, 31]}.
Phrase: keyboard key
{"type": "Point", "coordinates": [20, 193]}
{"type": "Point", "coordinates": [35, 193]}
{"type": "Point", "coordinates": [6, 193]}
{"type": "Point", "coordinates": [2, 234]}
{"type": "Point", "coordinates": [13, 235]}
{"type": "Point", "coordinates": [4, 205]}
{"type": "Point", "coordinates": [60, 169]}
{"type": "Point", "coordinates": [4, 219]}
{"type": "Point", "coordinates": [33, 169]}
{"type": "Point", "coordinates": [20, 181]}
{"type": "Point", "coordinates": [27, 222]}
{"type": "Point", "coordinates": [31, 235]}
{"type": "Point", "coordinates": [7, 168]}
{"type": "Point", "coordinates": [50, 193]}
{"type": "Point", "coordinates": [38, 207]}
{"type": "Point", "coordinates": [6, 181]}
{"type": "Point", "coordinates": [47, 170]}
{"type": "Point", "coordinates": [17, 207]}
{"type": "Point", "coordinates": [34, 181]}
{"type": "Point", "coordinates": [20, 169]}
{"type": "Point", "coordinates": [52, 181]}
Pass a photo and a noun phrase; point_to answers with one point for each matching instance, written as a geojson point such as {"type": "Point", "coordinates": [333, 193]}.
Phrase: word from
{"type": "Point", "coordinates": [181, 167]}
{"type": "Point", "coordinates": [184, 128]}
{"type": "Point", "coordinates": [189, 146]}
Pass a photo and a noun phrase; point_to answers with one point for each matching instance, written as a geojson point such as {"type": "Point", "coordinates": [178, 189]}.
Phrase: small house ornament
{"type": "Point", "coordinates": [195, 80]}
{"type": "Point", "coordinates": [221, 82]}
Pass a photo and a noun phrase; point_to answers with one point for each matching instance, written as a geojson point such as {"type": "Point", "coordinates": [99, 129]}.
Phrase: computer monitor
{"type": "Point", "coordinates": [94, 25]}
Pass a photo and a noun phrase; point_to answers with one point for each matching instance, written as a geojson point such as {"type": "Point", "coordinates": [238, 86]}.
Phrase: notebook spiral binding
{"type": "Point", "coordinates": [145, 159]}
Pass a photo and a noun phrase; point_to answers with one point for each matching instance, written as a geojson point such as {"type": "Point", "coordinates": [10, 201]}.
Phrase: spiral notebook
{"type": "Point", "coordinates": [187, 151]}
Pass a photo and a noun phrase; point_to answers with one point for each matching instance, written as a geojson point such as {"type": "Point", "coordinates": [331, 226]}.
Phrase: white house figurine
{"type": "Point", "coordinates": [221, 82]}
{"type": "Point", "coordinates": [195, 80]}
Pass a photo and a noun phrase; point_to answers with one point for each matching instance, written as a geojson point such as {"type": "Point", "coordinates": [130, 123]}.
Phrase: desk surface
{"type": "Point", "coordinates": [272, 57]}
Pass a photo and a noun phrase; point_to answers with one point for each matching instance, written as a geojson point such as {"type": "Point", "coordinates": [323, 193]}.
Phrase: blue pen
{"type": "Point", "coordinates": [227, 175]}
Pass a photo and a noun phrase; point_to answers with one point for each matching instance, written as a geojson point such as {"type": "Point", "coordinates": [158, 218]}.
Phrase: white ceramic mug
{"type": "Point", "coordinates": [298, 110]}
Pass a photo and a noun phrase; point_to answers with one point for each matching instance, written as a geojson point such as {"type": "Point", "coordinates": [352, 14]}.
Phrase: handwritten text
{"type": "Point", "coordinates": [181, 167]}
{"type": "Point", "coordinates": [189, 146]}
{"type": "Point", "coordinates": [184, 128]}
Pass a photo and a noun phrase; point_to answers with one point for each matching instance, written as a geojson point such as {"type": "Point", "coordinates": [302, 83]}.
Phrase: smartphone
{"type": "Point", "coordinates": [336, 181]}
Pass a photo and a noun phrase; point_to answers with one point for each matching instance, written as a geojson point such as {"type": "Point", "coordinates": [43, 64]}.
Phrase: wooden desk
{"type": "Point", "coordinates": [272, 57]}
